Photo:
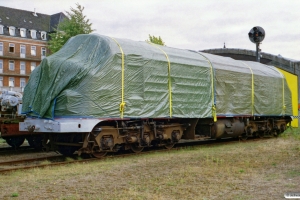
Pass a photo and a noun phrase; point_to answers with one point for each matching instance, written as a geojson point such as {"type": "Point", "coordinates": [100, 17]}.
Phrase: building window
{"type": "Point", "coordinates": [11, 48]}
{"type": "Point", "coordinates": [11, 82]}
{"type": "Point", "coordinates": [12, 30]}
{"type": "Point", "coordinates": [23, 32]}
{"type": "Point", "coordinates": [43, 35]}
{"type": "Point", "coordinates": [22, 83]}
{"type": "Point", "coordinates": [33, 66]}
{"type": "Point", "coordinates": [22, 51]}
{"type": "Point", "coordinates": [1, 66]}
{"type": "Point", "coordinates": [33, 50]}
{"type": "Point", "coordinates": [11, 65]}
{"type": "Point", "coordinates": [1, 48]}
{"type": "Point", "coordinates": [1, 29]}
{"type": "Point", "coordinates": [33, 34]}
{"type": "Point", "coordinates": [43, 52]}
{"type": "Point", "coordinates": [22, 67]}
{"type": "Point", "coordinates": [1, 81]}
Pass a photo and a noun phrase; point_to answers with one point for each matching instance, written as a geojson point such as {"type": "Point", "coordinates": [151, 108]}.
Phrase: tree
{"type": "Point", "coordinates": [156, 40]}
{"type": "Point", "coordinates": [75, 23]}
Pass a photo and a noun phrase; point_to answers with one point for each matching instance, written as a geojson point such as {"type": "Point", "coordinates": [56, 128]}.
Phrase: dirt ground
{"type": "Point", "coordinates": [264, 169]}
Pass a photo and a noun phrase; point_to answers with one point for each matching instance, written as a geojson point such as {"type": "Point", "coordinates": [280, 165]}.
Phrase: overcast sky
{"type": "Point", "coordinates": [188, 24]}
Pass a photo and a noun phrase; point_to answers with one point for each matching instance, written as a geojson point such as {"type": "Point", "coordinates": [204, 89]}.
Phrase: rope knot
{"type": "Point", "coordinates": [122, 106]}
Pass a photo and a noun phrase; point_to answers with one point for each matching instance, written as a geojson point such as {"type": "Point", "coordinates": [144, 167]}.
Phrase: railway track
{"type": "Point", "coordinates": [4, 151]}
{"type": "Point", "coordinates": [28, 163]}
{"type": "Point", "coordinates": [23, 164]}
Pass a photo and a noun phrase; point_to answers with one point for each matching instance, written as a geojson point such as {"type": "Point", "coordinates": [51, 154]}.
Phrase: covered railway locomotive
{"type": "Point", "coordinates": [99, 94]}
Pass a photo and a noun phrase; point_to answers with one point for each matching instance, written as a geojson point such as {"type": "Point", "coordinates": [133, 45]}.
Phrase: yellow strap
{"type": "Point", "coordinates": [252, 89]}
{"type": "Point", "coordinates": [213, 108]}
{"type": "Point", "coordinates": [122, 104]}
{"type": "Point", "coordinates": [169, 77]}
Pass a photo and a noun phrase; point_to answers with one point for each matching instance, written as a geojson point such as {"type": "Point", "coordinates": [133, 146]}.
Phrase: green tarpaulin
{"type": "Point", "coordinates": [99, 76]}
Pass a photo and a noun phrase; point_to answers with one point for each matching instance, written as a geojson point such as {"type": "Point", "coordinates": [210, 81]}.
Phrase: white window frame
{"type": "Point", "coordinates": [12, 30]}
{"type": "Point", "coordinates": [33, 34]}
{"type": "Point", "coordinates": [11, 65]}
{"type": "Point", "coordinates": [23, 32]}
{"type": "Point", "coordinates": [11, 45]}
{"type": "Point", "coordinates": [32, 66]}
{"type": "Point", "coordinates": [44, 35]}
{"type": "Point", "coordinates": [1, 66]}
{"type": "Point", "coordinates": [22, 51]}
{"type": "Point", "coordinates": [1, 29]}
{"type": "Point", "coordinates": [22, 67]}
{"type": "Point", "coordinates": [33, 50]}
{"type": "Point", "coordinates": [11, 82]}
{"type": "Point", "coordinates": [22, 83]}
{"type": "Point", "coordinates": [1, 81]}
{"type": "Point", "coordinates": [1, 48]}
{"type": "Point", "coordinates": [43, 52]}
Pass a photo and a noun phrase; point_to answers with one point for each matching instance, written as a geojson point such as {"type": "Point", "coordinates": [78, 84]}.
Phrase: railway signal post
{"type": "Point", "coordinates": [257, 35]}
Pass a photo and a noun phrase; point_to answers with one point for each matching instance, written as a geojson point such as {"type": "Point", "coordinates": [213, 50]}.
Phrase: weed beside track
{"type": "Point", "coordinates": [53, 160]}
{"type": "Point", "coordinates": [264, 169]}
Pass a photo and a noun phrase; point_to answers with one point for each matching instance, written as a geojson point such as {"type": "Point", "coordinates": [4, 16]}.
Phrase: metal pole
{"type": "Point", "coordinates": [257, 52]}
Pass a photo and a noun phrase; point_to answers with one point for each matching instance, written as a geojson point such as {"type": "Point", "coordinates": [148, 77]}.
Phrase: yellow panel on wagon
{"type": "Point", "coordinates": [292, 81]}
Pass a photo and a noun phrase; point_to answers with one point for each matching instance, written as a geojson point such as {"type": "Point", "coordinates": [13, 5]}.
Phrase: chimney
{"type": "Point", "coordinates": [34, 14]}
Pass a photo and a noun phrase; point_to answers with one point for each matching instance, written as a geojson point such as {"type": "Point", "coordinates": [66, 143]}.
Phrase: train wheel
{"type": "Point", "coordinates": [68, 150]}
{"type": "Point", "coordinates": [135, 148]}
{"type": "Point", "coordinates": [98, 154]}
{"type": "Point", "coordinates": [275, 134]}
{"type": "Point", "coordinates": [260, 134]}
{"type": "Point", "coordinates": [244, 136]}
{"type": "Point", "coordinates": [15, 142]}
{"type": "Point", "coordinates": [35, 141]}
{"type": "Point", "coordinates": [169, 146]}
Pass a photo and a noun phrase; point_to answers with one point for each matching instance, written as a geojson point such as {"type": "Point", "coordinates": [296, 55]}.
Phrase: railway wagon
{"type": "Point", "coordinates": [10, 116]}
{"type": "Point", "coordinates": [100, 94]}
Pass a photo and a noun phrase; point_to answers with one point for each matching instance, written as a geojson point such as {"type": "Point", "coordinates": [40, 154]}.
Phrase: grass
{"type": "Point", "coordinates": [265, 169]}
{"type": "Point", "coordinates": [2, 141]}
{"type": "Point", "coordinates": [14, 194]}
{"type": "Point", "coordinates": [292, 132]}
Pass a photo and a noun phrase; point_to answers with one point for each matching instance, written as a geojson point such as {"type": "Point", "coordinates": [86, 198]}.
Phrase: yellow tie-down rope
{"type": "Point", "coordinates": [169, 77]}
{"type": "Point", "coordinates": [213, 108]}
{"type": "Point", "coordinates": [122, 104]}
{"type": "Point", "coordinates": [252, 89]}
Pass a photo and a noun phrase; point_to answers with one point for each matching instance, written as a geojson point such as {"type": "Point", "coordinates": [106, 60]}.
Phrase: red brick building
{"type": "Point", "coordinates": [23, 44]}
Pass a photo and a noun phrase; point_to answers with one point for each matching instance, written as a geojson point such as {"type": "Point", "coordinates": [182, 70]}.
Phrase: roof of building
{"type": "Point", "coordinates": [56, 19]}
{"type": "Point", "coordinates": [266, 58]}
{"type": "Point", "coordinates": [248, 52]}
{"type": "Point", "coordinates": [29, 19]}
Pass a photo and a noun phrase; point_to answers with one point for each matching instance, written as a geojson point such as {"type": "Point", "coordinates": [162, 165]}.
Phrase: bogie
{"type": "Point", "coordinates": [16, 141]}
{"type": "Point", "coordinates": [35, 141]}
{"type": "Point", "coordinates": [108, 136]}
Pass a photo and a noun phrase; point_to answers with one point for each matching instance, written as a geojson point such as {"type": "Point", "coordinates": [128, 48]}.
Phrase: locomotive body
{"type": "Point", "coordinates": [10, 109]}
{"type": "Point", "coordinates": [9, 119]}
{"type": "Point", "coordinates": [99, 94]}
